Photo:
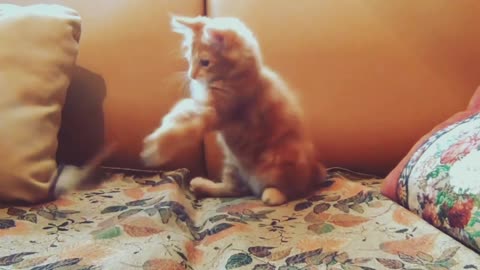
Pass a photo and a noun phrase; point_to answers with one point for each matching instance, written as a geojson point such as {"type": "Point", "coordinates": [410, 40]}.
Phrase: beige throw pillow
{"type": "Point", "coordinates": [38, 50]}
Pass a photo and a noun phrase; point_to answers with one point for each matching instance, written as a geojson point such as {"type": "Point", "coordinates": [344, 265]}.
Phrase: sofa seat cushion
{"type": "Point", "coordinates": [147, 220]}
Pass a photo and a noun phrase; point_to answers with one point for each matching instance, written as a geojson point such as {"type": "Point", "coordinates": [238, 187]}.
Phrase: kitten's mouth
{"type": "Point", "coordinates": [215, 83]}
{"type": "Point", "coordinates": [200, 80]}
{"type": "Point", "coordinates": [212, 84]}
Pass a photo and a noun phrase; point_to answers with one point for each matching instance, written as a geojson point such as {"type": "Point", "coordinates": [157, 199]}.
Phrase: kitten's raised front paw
{"type": "Point", "coordinates": [150, 155]}
{"type": "Point", "coordinates": [157, 149]}
{"type": "Point", "coordinates": [272, 197]}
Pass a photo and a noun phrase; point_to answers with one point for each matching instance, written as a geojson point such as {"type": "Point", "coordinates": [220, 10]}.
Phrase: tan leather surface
{"type": "Point", "coordinates": [128, 53]}
{"type": "Point", "coordinates": [373, 75]}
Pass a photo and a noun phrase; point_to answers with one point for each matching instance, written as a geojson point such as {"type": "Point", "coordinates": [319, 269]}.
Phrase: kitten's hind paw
{"type": "Point", "coordinates": [199, 186]}
{"type": "Point", "coordinates": [272, 196]}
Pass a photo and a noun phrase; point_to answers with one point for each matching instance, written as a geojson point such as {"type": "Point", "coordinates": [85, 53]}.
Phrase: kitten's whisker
{"type": "Point", "coordinates": [185, 87]}
{"type": "Point", "coordinates": [219, 90]}
{"type": "Point", "coordinates": [176, 52]}
{"type": "Point", "coordinates": [177, 80]}
{"type": "Point", "coordinates": [180, 74]}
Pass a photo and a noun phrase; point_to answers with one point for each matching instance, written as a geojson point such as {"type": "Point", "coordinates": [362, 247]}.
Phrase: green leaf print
{"type": "Point", "coordinates": [165, 214]}
{"type": "Point", "coordinates": [217, 218]}
{"type": "Point", "coordinates": [151, 211]}
{"type": "Point", "coordinates": [108, 233]}
{"type": "Point", "coordinates": [424, 256]}
{"type": "Point", "coordinates": [322, 207]}
{"type": "Point", "coordinates": [357, 208]}
{"type": "Point", "coordinates": [112, 209]}
{"type": "Point", "coordinates": [14, 258]}
{"type": "Point", "coordinates": [475, 234]}
{"type": "Point", "coordinates": [300, 258]}
{"type": "Point", "coordinates": [218, 228]}
{"type": "Point", "coordinates": [474, 219]}
{"type": "Point", "coordinates": [238, 260]}
{"type": "Point", "coordinates": [288, 267]}
{"type": "Point", "coordinates": [6, 223]}
{"type": "Point", "coordinates": [13, 211]}
{"type": "Point", "coordinates": [445, 197]}
{"type": "Point", "coordinates": [59, 264]}
{"type": "Point", "coordinates": [260, 251]}
{"type": "Point", "coordinates": [302, 206]}
{"type": "Point", "coordinates": [321, 228]}
{"type": "Point", "coordinates": [141, 202]}
{"type": "Point", "coordinates": [30, 217]}
{"type": "Point", "coordinates": [320, 258]}
{"type": "Point", "coordinates": [447, 254]}
{"type": "Point", "coordinates": [391, 263]}
{"type": "Point", "coordinates": [128, 213]}
{"type": "Point", "coordinates": [265, 266]}
{"type": "Point", "coordinates": [476, 201]}
{"type": "Point", "coordinates": [439, 170]}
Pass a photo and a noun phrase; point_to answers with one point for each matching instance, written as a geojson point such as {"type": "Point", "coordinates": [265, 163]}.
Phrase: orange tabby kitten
{"type": "Point", "coordinates": [259, 123]}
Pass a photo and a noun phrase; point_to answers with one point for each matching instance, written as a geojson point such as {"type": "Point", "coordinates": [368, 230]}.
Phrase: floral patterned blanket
{"type": "Point", "coordinates": [146, 220]}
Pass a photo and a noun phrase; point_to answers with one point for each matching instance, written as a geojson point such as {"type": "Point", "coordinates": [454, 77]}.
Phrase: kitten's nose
{"type": "Point", "coordinates": [193, 73]}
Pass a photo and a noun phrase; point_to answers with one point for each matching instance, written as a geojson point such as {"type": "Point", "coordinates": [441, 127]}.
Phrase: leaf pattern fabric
{"type": "Point", "coordinates": [147, 220]}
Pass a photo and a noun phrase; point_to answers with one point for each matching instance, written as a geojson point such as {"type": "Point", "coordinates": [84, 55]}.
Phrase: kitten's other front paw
{"type": "Point", "coordinates": [155, 151]}
{"type": "Point", "coordinates": [272, 197]}
{"type": "Point", "coordinates": [150, 156]}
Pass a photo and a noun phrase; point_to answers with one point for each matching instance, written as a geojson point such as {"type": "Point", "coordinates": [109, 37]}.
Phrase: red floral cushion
{"type": "Point", "coordinates": [440, 178]}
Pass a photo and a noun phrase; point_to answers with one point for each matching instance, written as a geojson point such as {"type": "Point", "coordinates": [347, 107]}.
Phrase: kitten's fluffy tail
{"type": "Point", "coordinates": [71, 178]}
{"type": "Point", "coordinates": [321, 173]}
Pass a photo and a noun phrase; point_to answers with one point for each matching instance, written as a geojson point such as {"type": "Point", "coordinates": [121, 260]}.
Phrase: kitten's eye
{"type": "Point", "coordinates": [204, 62]}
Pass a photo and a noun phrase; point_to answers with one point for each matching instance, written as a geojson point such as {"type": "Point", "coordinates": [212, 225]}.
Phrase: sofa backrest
{"type": "Point", "coordinates": [373, 75]}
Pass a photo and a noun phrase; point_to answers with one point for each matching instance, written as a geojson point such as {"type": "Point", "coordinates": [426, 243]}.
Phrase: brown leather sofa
{"type": "Point", "coordinates": [372, 75]}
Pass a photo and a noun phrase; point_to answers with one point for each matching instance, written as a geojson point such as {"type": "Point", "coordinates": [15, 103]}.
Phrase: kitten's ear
{"type": "Point", "coordinates": [219, 38]}
{"type": "Point", "coordinates": [184, 25]}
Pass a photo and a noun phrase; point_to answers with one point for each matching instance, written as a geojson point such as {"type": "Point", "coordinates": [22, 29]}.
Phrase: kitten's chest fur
{"type": "Point", "coordinates": [245, 136]}
{"type": "Point", "coordinates": [240, 152]}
